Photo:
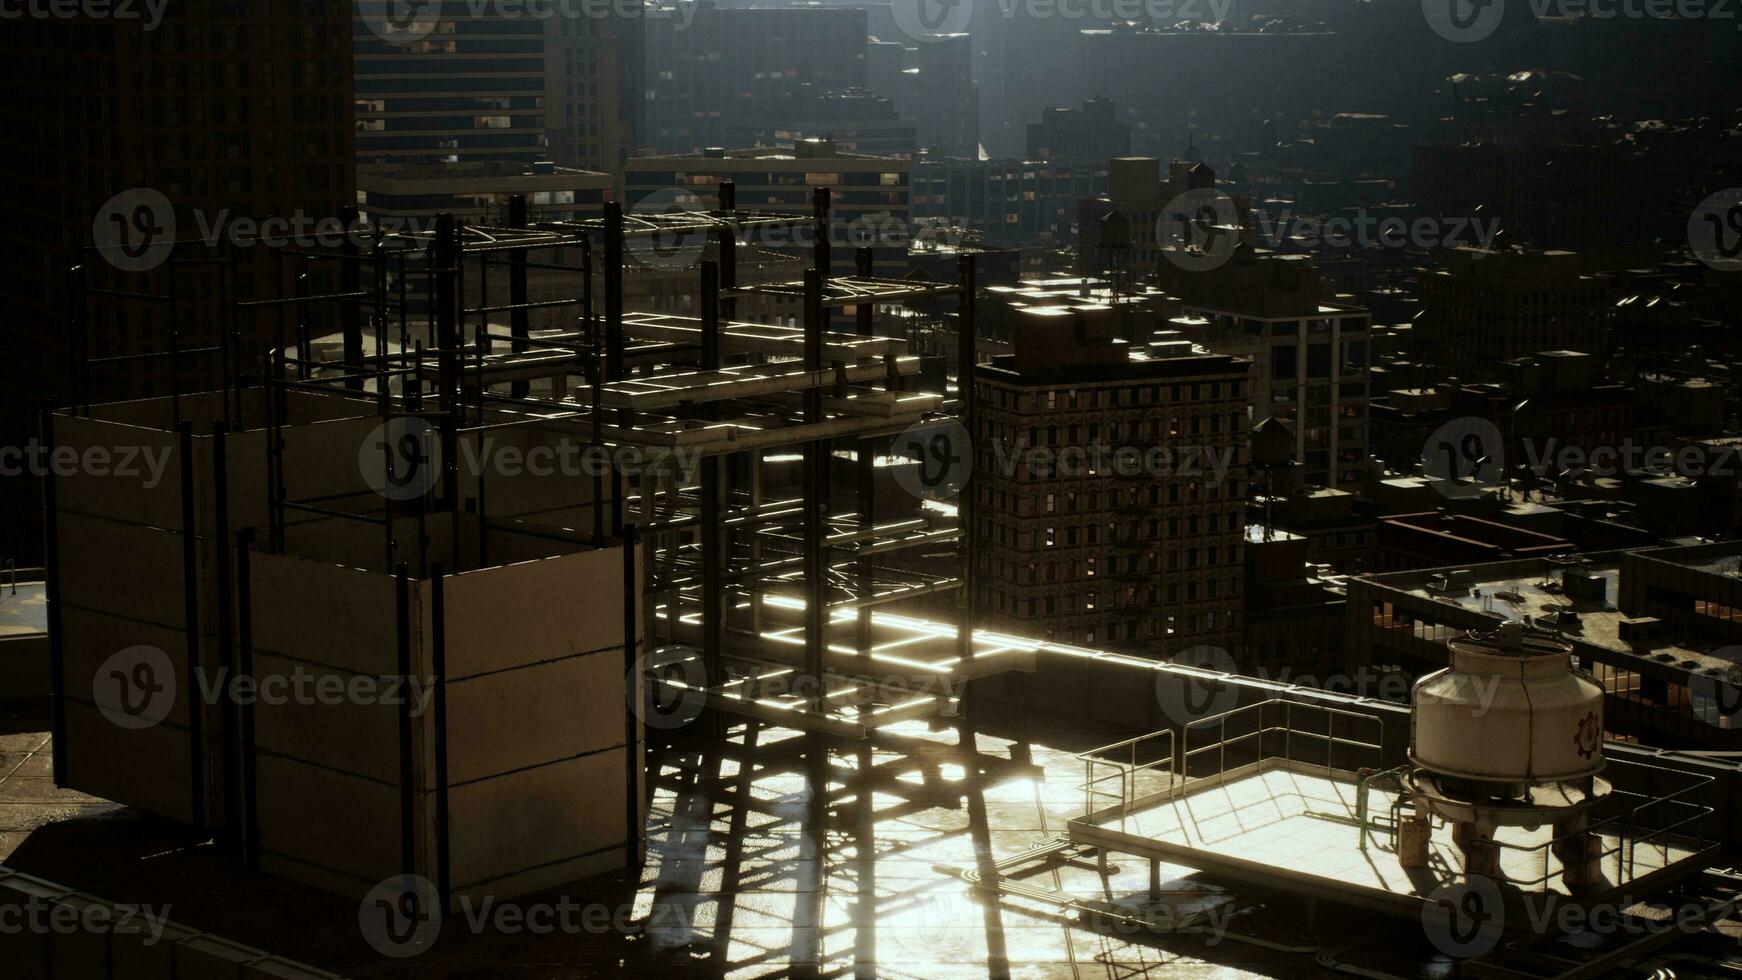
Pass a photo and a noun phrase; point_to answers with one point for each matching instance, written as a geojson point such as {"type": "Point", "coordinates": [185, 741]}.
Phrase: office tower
{"type": "Point", "coordinates": [1089, 132]}
{"type": "Point", "coordinates": [869, 193]}
{"type": "Point", "coordinates": [1487, 306]}
{"type": "Point", "coordinates": [1111, 480]}
{"type": "Point", "coordinates": [714, 65]}
{"type": "Point", "coordinates": [455, 84]}
{"type": "Point", "coordinates": [1312, 355]}
{"type": "Point", "coordinates": [147, 134]}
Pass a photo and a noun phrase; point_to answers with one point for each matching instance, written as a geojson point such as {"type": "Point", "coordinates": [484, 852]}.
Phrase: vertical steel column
{"type": "Point", "coordinates": [275, 410]}
{"type": "Point", "coordinates": [350, 310]}
{"type": "Point", "coordinates": [816, 491]}
{"type": "Point", "coordinates": [820, 210]}
{"type": "Point", "coordinates": [967, 354]}
{"type": "Point", "coordinates": [519, 320]}
{"type": "Point", "coordinates": [245, 674]}
{"type": "Point", "coordinates": [407, 754]}
{"type": "Point", "coordinates": [51, 596]}
{"type": "Point", "coordinates": [867, 483]}
{"type": "Point", "coordinates": [439, 668]}
{"type": "Point", "coordinates": [727, 307]}
{"type": "Point", "coordinates": [446, 299]}
{"type": "Point", "coordinates": [226, 648]}
{"type": "Point", "coordinates": [758, 495]}
{"type": "Point", "coordinates": [190, 551]}
{"type": "Point", "coordinates": [729, 249]}
{"type": "Point", "coordinates": [632, 854]}
{"type": "Point", "coordinates": [613, 291]}
{"type": "Point", "coordinates": [713, 605]}
{"type": "Point", "coordinates": [614, 338]}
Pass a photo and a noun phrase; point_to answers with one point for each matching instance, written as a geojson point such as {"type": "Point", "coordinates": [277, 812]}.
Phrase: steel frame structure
{"type": "Point", "coordinates": [708, 386]}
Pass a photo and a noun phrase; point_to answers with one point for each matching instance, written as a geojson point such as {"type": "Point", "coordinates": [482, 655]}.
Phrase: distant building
{"type": "Point", "coordinates": [1337, 533]}
{"type": "Point", "coordinates": [498, 85]}
{"type": "Point", "coordinates": [1552, 195]}
{"type": "Point", "coordinates": [219, 117]}
{"type": "Point", "coordinates": [946, 104]}
{"type": "Point", "coordinates": [931, 83]}
{"type": "Point", "coordinates": [856, 120]}
{"type": "Point", "coordinates": [1485, 306]}
{"type": "Point", "coordinates": [1007, 201]}
{"type": "Point", "coordinates": [1293, 609]}
{"type": "Point", "coordinates": [1111, 482]}
{"type": "Point", "coordinates": [1657, 628]}
{"type": "Point", "coordinates": [1311, 356]}
{"type": "Point", "coordinates": [869, 193]}
{"type": "Point", "coordinates": [1090, 132]}
{"type": "Point", "coordinates": [478, 193]}
{"type": "Point", "coordinates": [716, 65]}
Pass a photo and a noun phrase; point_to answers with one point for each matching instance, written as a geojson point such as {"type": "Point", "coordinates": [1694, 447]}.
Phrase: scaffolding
{"type": "Point", "coordinates": [722, 567]}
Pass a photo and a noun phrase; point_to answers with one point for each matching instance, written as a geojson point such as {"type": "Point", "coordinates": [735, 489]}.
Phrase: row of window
{"type": "Point", "coordinates": [1019, 572]}
{"type": "Point", "coordinates": [1053, 399]}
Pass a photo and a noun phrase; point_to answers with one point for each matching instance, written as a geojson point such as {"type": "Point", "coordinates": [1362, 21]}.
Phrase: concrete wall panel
{"type": "Point", "coordinates": [301, 714]}
{"type": "Point", "coordinates": [329, 820]}
{"type": "Point", "coordinates": [525, 820]}
{"type": "Point", "coordinates": [520, 718]}
{"type": "Point", "coordinates": [556, 607]}
{"type": "Point", "coordinates": [146, 768]}
{"type": "Point", "coordinates": [140, 467]}
{"type": "Point", "coordinates": [324, 613]}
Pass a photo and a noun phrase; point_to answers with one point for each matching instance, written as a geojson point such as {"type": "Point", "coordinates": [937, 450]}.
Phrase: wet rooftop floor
{"type": "Point", "coordinates": [758, 865]}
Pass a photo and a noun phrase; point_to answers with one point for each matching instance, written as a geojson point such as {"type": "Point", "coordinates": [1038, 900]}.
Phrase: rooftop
{"type": "Point", "coordinates": [1534, 588]}
{"type": "Point", "coordinates": [23, 609]}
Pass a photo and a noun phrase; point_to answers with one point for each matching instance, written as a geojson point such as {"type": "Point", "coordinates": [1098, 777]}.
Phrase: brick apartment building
{"type": "Point", "coordinates": [1143, 557]}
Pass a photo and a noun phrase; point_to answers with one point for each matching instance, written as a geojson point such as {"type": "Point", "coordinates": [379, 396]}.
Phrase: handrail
{"type": "Point", "coordinates": [1624, 847]}
{"type": "Point", "coordinates": [1126, 771]}
{"type": "Point", "coordinates": [1288, 728]}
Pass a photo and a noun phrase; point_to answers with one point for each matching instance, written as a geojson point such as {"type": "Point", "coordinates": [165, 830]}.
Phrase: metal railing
{"type": "Point", "coordinates": [1291, 710]}
{"type": "Point", "coordinates": [1125, 771]}
{"type": "Point", "coordinates": [1619, 825]}
{"type": "Point", "coordinates": [1120, 760]}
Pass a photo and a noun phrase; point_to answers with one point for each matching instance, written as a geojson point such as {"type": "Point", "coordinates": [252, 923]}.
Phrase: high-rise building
{"type": "Point", "coordinates": [1090, 132]}
{"type": "Point", "coordinates": [947, 105]}
{"type": "Point", "coordinates": [456, 84]}
{"type": "Point", "coordinates": [144, 134]}
{"type": "Point", "coordinates": [1111, 483]}
{"type": "Point", "coordinates": [1554, 195]}
{"type": "Point", "coordinates": [1313, 362]}
{"type": "Point", "coordinates": [858, 121]}
{"type": "Point", "coordinates": [1487, 306]}
{"type": "Point", "coordinates": [714, 65]}
{"type": "Point", "coordinates": [411, 195]}
{"type": "Point", "coordinates": [869, 194]}
{"type": "Point", "coordinates": [1012, 202]}
{"type": "Point", "coordinates": [1655, 627]}
{"type": "Point", "coordinates": [932, 83]}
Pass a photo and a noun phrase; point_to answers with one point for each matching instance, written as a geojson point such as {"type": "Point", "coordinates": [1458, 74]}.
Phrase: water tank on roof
{"type": "Point", "coordinates": [1512, 709]}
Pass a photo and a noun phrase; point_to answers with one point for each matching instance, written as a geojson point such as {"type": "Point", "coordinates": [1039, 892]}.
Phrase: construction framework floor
{"type": "Point", "coordinates": [778, 602]}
